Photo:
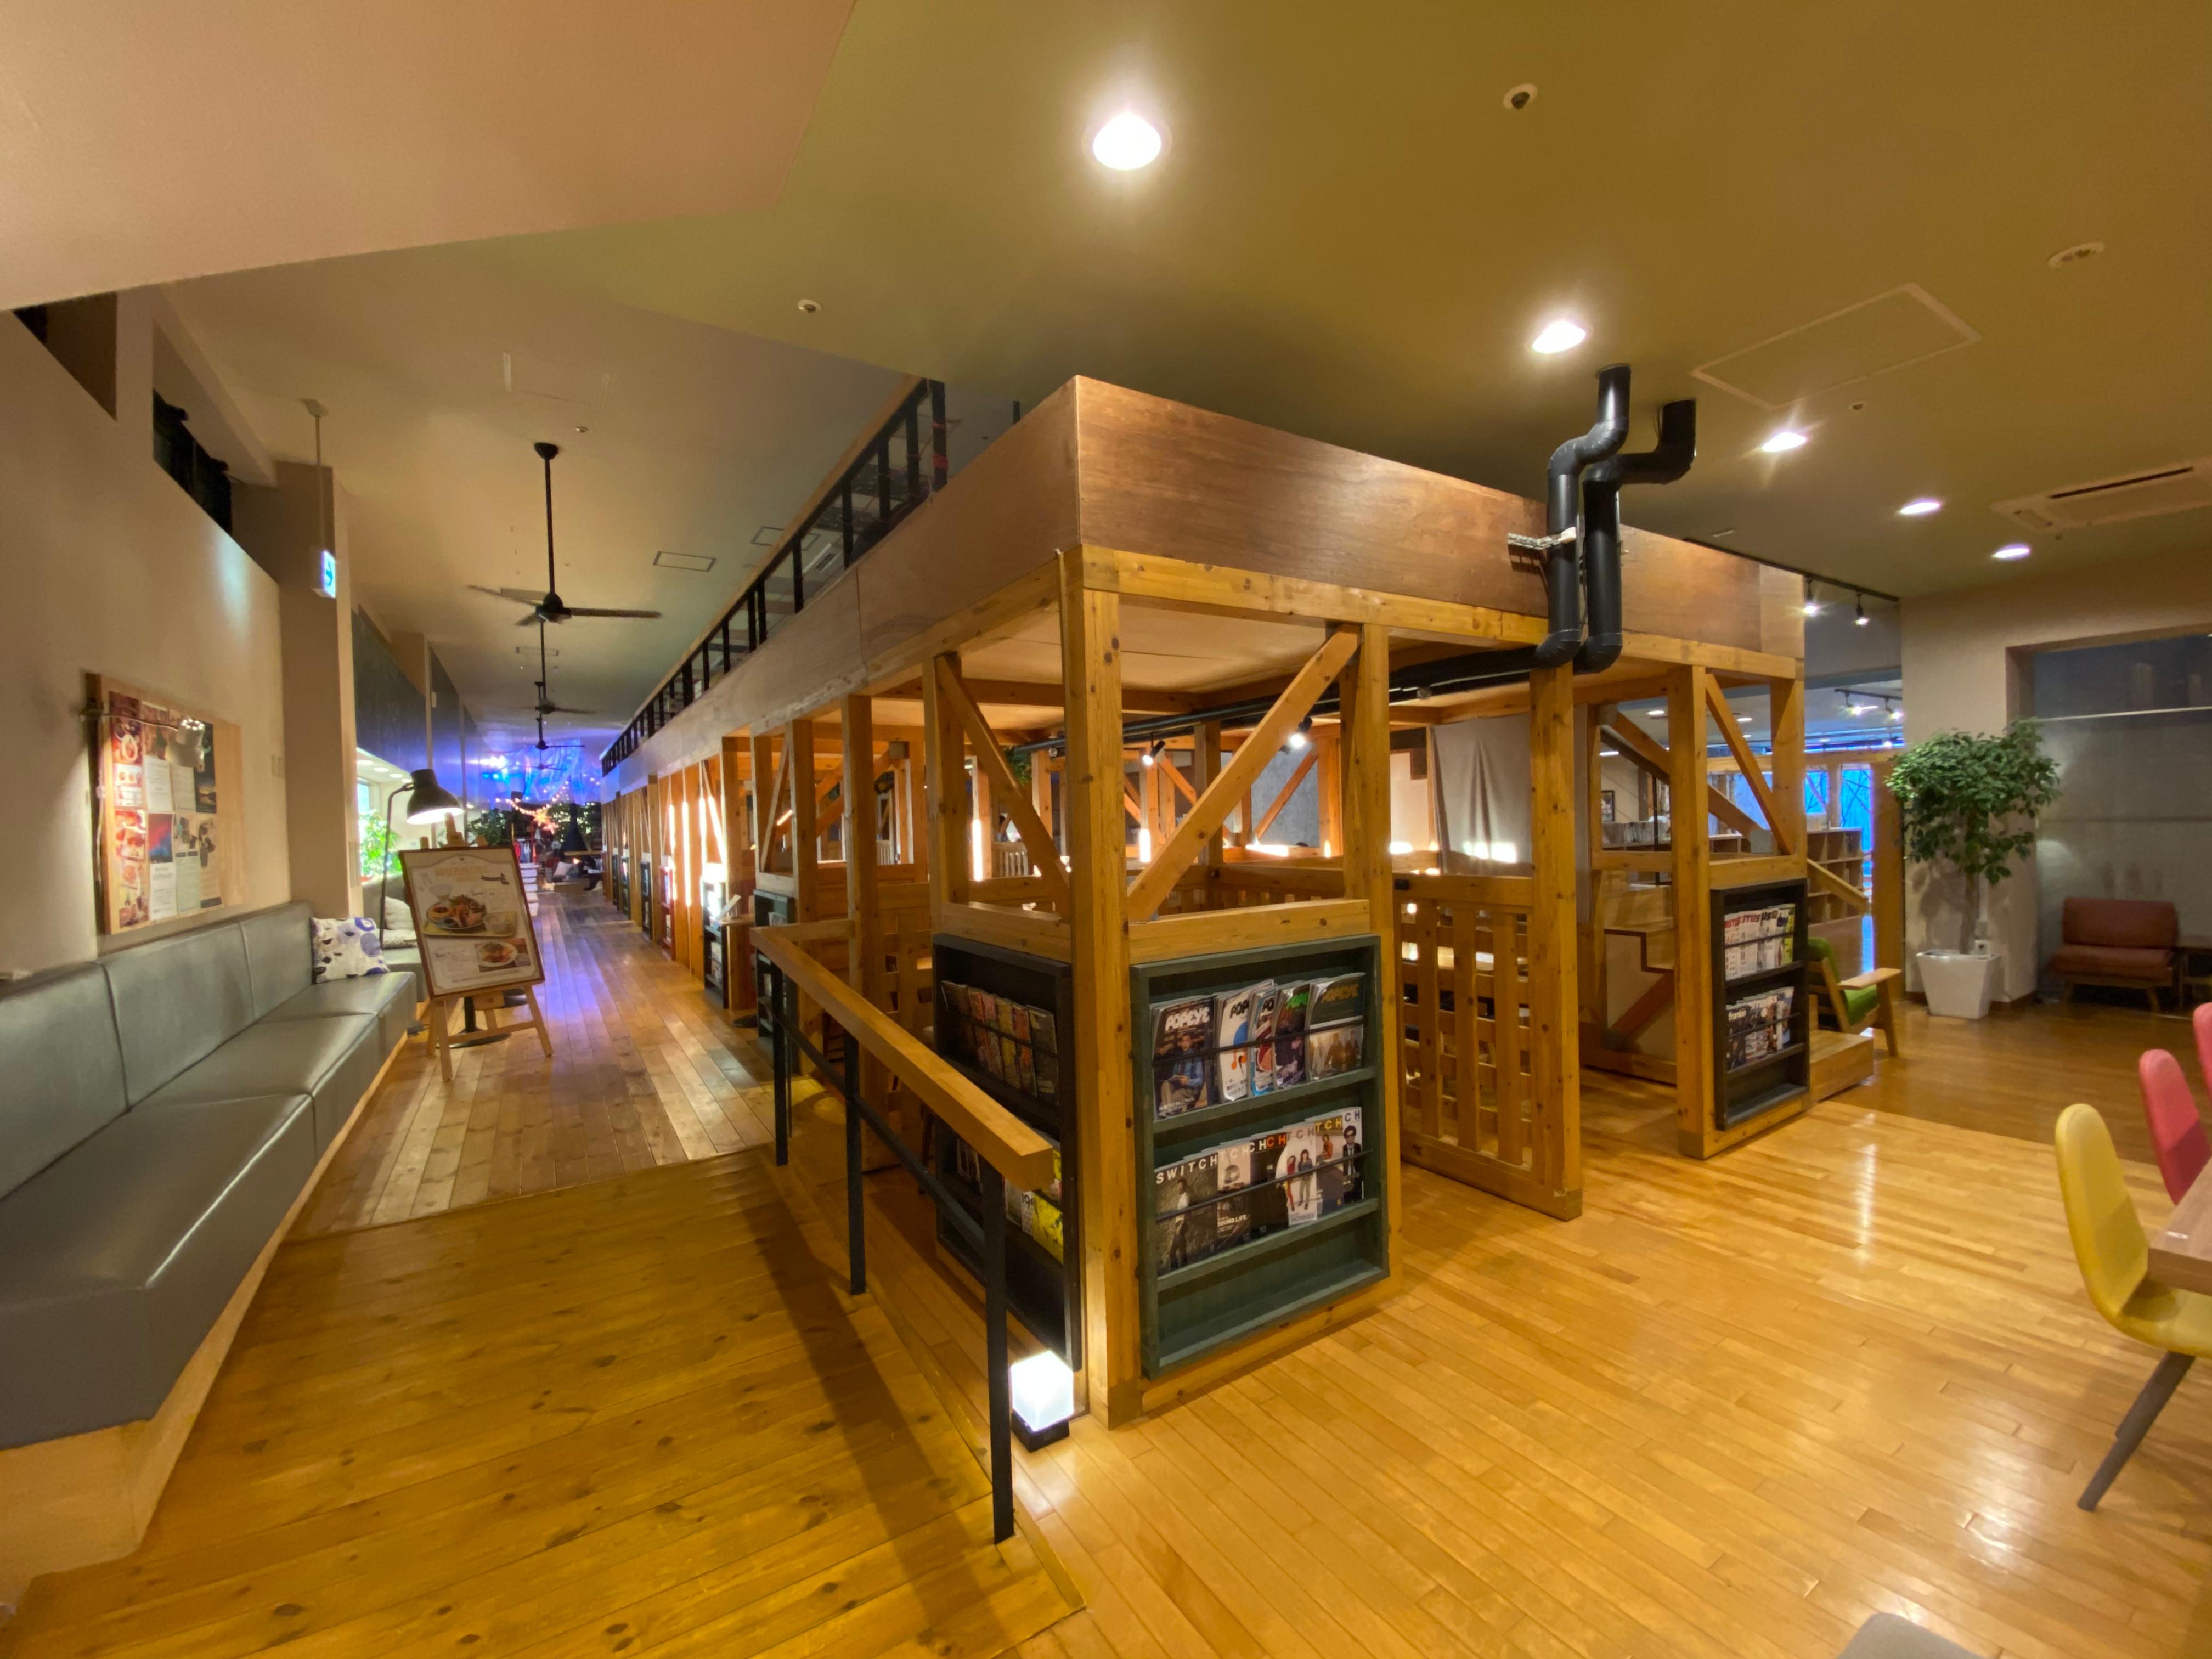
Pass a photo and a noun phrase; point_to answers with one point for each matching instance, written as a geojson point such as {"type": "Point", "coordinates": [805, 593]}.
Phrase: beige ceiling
{"type": "Point", "coordinates": [141, 145]}
{"type": "Point", "coordinates": [1350, 237]}
{"type": "Point", "coordinates": [697, 438]}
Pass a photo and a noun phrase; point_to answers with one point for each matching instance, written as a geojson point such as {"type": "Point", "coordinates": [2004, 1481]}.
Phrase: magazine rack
{"type": "Point", "coordinates": [1045, 1295]}
{"type": "Point", "coordinates": [1191, 1310]}
{"type": "Point", "coordinates": [1744, 1087]}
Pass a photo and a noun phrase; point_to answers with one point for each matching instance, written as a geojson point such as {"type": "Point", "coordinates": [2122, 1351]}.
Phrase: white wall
{"type": "Point", "coordinates": [1961, 673]}
{"type": "Point", "coordinates": [110, 567]}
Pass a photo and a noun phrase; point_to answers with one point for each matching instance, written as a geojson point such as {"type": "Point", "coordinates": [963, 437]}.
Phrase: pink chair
{"type": "Point", "coordinates": [2202, 1019]}
{"type": "Point", "coordinates": [2177, 1134]}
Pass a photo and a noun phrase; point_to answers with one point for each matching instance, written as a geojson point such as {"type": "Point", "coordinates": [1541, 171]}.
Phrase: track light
{"type": "Point", "coordinates": [1858, 610]}
{"type": "Point", "coordinates": [1299, 739]}
{"type": "Point", "coordinates": [1152, 757]}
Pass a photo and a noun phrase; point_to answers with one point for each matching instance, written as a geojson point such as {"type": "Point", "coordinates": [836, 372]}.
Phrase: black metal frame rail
{"type": "Point", "coordinates": [866, 501]}
{"type": "Point", "coordinates": [989, 1237]}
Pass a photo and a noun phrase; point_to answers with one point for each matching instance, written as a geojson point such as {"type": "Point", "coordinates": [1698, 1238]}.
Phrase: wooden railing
{"type": "Point", "coordinates": [1007, 1148]}
{"type": "Point", "coordinates": [1471, 1109]}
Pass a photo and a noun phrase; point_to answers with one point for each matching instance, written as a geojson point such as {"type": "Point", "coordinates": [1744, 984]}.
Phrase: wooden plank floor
{"type": "Point", "coordinates": [631, 1416]}
{"type": "Point", "coordinates": [1733, 1410]}
{"type": "Point", "coordinates": [644, 1072]}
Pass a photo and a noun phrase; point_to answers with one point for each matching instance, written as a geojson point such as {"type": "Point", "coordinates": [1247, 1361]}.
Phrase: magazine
{"type": "Point", "coordinates": [1182, 1032]}
{"type": "Point", "coordinates": [1181, 1236]}
{"type": "Point", "coordinates": [1232, 1031]}
{"type": "Point", "coordinates": [1294, 1168]}
{"type": "Point", "coordinates": [1333, 1050]}
{"type": "Point", "coordinates": [1340, 1179]}
{"type": "Point", "coordinates": [1336, 1000]}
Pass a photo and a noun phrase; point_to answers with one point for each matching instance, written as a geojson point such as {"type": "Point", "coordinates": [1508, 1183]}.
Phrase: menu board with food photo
{"type": "Point", "coordinates": [471, 918]}
{"type": "Point", "coordinates": [162, 843]}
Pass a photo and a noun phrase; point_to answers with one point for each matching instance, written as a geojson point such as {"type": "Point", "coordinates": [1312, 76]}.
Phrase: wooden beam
{"type": "Point", "coordinates": [1207, 744]}
{"type": "Point", "coordinates": [1213, 807]}
{"type": "Point", "coordinates": [1638, 1017]}
{"type": "Point", "coordinates": [1822, 876]}
{"type": "Point", "coordinates": [1173, 774]}
{"type": "Point", "coordinates": [945, 758]}
{"type": "Point", "coordinates": [864, 966]}
{"type": "Point", "coordinates": [1091, 667]}
{"type": "Point", "coordinates": [1754, 775]}
{"type": "Point", "coordinates": [798, 752]}
{"type": "Point", "coordinates": [1007, 792]}
{"type": "Point", "coordinates": [1655, 760]}
{"type": "Point", "coordinates": [1692, 881]}
{"type": "Point", "coordinates": [1785, 707]}
{"type": "Point", "coordinates": [1554, 990]}
{"type": "Point", "coordinates": [1289, 787]}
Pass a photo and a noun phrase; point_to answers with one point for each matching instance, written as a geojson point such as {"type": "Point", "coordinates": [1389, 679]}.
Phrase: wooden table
{"type": "Point", "coordinates": [2181, 1251]}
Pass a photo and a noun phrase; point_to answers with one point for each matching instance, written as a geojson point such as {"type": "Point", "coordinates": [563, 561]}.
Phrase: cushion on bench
{"type": "Point", "coordinates": [116, 1260]}
{"type": "Point", "coordinates": [2130, 924]}
{"type": "Point", "coordinates": [63, 1071]}
{"type": "Point", "coordinates": [177, 1000]}
{"type": "Point", "coordinates": [2113, 962]}
{"type": "Point", "coordinates": [333, 1057]}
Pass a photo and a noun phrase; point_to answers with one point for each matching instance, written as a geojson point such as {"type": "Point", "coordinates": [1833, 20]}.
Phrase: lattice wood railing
{"type": "Point", "coordinates": [1470, 1108]}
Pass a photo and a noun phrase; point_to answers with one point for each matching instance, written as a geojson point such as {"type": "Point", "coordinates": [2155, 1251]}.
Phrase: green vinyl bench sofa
{"type": "Point", "coordinates": [164, 1112]}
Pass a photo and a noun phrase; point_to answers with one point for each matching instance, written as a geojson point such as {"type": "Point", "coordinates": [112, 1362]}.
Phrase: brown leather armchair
{"type": "Point", "coordinates": [2128, 943]}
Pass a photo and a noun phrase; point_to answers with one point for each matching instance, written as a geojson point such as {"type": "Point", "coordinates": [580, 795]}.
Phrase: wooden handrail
{"type": "Point", "coordinates": [1000, 1140]}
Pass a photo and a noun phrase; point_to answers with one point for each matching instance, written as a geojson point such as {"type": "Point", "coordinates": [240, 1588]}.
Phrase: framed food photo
{"type": "Point", "coordinates": [471, 919]}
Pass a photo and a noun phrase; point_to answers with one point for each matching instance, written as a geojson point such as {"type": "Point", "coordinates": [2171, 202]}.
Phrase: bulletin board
{"type": "Point", "coordinates": [166, 809]}
{"type": "Point", "coordinates": [471, 918]}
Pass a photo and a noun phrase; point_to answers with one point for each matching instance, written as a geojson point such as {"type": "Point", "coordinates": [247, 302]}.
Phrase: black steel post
{"type": "Point", "coordinates": [912, 453]}
{"type": "Point", "coordinates": [994, 1353]}
{"type": "Point", "coordinates": [855, 1222]}
{"type": "Point", "coordinates": [939, 462]}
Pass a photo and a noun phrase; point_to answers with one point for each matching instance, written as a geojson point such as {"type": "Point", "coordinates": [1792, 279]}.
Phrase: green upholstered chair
{"type": "Point", "coordinates": [1864, 999]}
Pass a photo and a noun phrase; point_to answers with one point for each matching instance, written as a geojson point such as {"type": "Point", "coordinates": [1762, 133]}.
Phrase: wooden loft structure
{"type": "Point", "coordinates": [1116, 558]}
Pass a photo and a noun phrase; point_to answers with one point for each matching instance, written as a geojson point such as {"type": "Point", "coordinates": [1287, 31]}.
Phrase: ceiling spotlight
{"type": "Point", "coordinates": [1855, 708]}
{"type": "Point", "coordinates": [1783, 441]}
{"type": "Point", "coordinates": [1919, 508]}
{"type": "Point", "coordinates": [1743, 720]}
{"type": "Point", "coordinates": [1127, 142]}
{"type": "Point", "coordinates": [1858, 610]}
{"type": "Point", "coordinates": [2012, 550]}
{"type": "Point", "coordinates": [1897, 714]}
{"type": "Point", "coordinates": [1812, 607]}
{"type": "Point", "coordinates": [1559, 336]}
{"type": "Point", "coordinates": [2074, 255]}
{"type": "Point", "coordinates": [1299, 739]}
{"type": "Point", "coordinates": [1151, 756]}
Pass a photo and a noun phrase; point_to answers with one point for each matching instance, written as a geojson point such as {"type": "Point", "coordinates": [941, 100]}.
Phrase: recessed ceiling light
{"type": "Point", "coordinates": [1520, 97]}
{"type": "Point", "coordinates": [2075, 255]}
{"type": "Point", "coordinates": [1743, 720]}
{"type": "Point", "coordinates": [809, 307]}
{"type": "Point", "coordinates": [1559, 334]}
{"type": "Point", "coordinates": [1919, 508]}
{"type": "Point", "coordinates": [2012, 550]}
{"type": "Point", "coordinates": [1127, 142]}
{"type": "Point", "coordinates": [1783, 441]}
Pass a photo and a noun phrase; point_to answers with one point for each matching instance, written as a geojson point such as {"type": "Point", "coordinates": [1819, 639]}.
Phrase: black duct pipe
{"type": "Point", "coordinates": [1602, 483]}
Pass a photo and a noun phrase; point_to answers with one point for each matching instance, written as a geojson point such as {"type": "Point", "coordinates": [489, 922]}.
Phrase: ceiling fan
{"type": "Point", "coordinates": [545, 704]}
{"type": "Point", "coordinates": [549, 607]}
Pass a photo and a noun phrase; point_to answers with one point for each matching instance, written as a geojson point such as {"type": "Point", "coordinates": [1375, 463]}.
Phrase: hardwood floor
{"type": "Point", "coordinates": [1731, 1410]}
{"type": "Point", "coordinates": [626, 1417]}
{"type": "Point", "coordinates": [644, 1072]}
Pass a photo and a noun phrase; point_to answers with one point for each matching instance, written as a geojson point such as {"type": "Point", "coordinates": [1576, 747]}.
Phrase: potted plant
{"type": "Point", "coordinates": [1970, 801]}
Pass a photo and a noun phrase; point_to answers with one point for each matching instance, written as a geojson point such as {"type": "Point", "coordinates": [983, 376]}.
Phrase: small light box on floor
{"type": "Point", "coordinates": [1042, 1390]}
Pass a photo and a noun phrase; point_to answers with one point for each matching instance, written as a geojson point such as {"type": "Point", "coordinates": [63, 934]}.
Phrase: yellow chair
{"type": "Point", "coordinates": [2115, 1262]}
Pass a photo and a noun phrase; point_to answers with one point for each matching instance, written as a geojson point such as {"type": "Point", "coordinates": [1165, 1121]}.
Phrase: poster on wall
{"type": "Point", "coordinates": [158, 799]}
{"type": "Point", "coordinates": [471, 918]}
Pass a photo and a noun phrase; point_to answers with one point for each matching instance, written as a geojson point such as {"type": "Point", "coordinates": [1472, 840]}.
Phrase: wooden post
{"type": "Point", "coordinates": [1554, 1001]}
{"type": "Point", "coordinates": [1090, 668]}
{"type": "Point", "coordinates": [945, 759]}
{"type": "Point", "coordinates": [1785, 709]}
{"type": "Point", "coordinates": [1692, 882]}
{"type": "Point", "coordinates": [763, 745]}
{"type": "Point", "coordinates": [1364, 689]}
{"type": "Point", "coordinates": [1207, 767]}
{"type": "Point", "coordinates": [864, 970]}
{"type": "Point", "coordinates": [799, 746]}
{"type": "Point", "coordinates": [1329, 774]}
{"type": "Point", "coordinates": [1888, 855]}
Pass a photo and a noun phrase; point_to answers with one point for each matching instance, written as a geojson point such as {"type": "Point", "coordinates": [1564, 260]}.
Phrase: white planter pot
{"type": "Point", "coordinates": [1957, 985]}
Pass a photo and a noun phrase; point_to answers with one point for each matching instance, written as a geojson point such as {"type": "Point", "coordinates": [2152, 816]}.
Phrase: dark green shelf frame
{"type": "Point", "coordinates": [1192, 1311]}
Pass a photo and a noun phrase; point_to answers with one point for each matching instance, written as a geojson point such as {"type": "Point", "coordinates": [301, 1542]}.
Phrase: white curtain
{"type": "Point", "coordinates": [1484, 794]}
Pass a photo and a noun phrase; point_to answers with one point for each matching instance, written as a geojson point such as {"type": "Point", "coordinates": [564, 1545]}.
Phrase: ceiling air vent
{"type": "Point", "coordinates": [668, 560]}
{"type": "Point", "coordinates": [2175, 489]}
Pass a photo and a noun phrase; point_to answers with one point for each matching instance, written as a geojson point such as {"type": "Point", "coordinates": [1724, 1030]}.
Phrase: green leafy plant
{"type": "Point", "coordinates": [380, 845]}
{"type": "Point", "coordinates": [1970, 801]}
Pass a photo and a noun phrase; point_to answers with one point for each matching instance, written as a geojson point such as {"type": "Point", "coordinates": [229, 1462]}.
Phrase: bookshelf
{"type": "Point", "coordinates": [1044, 1290]}
{"type": "Point", "coordinates": [1843, 854]}
{"type": "Point", "coordinates": [1272, 1245]}
{"type": "Point", "coordinates": [1762, 1050]}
